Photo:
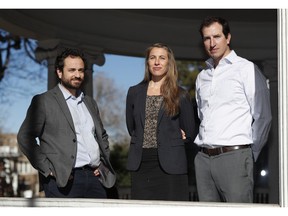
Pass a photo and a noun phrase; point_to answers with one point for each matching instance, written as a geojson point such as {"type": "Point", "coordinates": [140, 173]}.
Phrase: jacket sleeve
{"type": "Point", "coordinates": [28, 133]}
{"type": "Point", "coordinates": [187, 117]}
{"type": "Point", "coordinates": [261, 112]}
{"type": "Point", "coordinates": [129, 112]}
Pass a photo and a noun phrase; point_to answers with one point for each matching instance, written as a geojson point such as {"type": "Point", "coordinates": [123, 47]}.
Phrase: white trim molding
{"type": "Point", "coordinates": [283, 104]}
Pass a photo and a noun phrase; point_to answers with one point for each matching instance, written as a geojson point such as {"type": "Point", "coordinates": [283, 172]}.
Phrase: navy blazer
{"type": "Point", "coordinates": [48, 118]}
{"type": "Point", "coordinates": [171, 146]}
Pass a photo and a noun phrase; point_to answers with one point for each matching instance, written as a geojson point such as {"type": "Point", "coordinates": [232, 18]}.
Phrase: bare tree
{"type": "Point", "coordinates": [21, 76]}
{"type": "Point", "coordinates": [111, 102]}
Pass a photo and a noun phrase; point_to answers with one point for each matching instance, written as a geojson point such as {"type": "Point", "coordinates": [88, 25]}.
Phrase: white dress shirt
{"type": "Point", "coordinates": [233, 104]}
{"type": "Point", "coordinates": [87, 147]}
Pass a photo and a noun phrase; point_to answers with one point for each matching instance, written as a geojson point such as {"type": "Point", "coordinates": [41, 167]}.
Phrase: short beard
{"type": "Point", "coordinates": [68, 85]}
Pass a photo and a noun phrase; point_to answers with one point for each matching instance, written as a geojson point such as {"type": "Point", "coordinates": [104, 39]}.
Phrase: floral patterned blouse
{"type": "Point", "coordinates": [153, 104]}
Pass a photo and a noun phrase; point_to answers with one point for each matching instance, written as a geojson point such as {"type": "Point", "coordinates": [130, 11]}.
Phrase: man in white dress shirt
{"type": "Point", "coordinates": [234, 109]}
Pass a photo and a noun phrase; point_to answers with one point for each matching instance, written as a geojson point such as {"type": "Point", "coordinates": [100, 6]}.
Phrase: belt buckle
{"type": "Point", "coordinates": [216, 151]}
{"type": "Point", "coordinates": [210, 152]}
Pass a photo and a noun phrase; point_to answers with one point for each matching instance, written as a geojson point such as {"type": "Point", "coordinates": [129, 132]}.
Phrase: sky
{"type": "Point", "coordinates": [124, 70]}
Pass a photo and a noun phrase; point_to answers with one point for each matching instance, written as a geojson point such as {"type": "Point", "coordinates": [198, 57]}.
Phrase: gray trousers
{"type": "Point", "coordinates": [225, 177]}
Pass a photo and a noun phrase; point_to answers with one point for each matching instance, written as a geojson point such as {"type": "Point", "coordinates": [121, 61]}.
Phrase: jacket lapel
{"type": "Point", "coordinates": [97, 131]}
{"type": "Point", "coordinates": [161, 113]}
{"type": "Point", "coordinates": [142, 102]}
{"type": "Point", "coordinates": [92, 111]}
{"type": "Point", "coordinates": [63, 105]}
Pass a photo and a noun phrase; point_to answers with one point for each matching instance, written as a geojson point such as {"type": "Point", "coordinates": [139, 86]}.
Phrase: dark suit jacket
{"type": "Point", "coordinates": [171, 146]}
{"type": "Point", "coordinates": [48, 119]}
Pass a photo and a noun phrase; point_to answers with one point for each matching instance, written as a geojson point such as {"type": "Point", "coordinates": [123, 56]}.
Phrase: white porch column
{"type": "Point", "coordinates": [283, 104]}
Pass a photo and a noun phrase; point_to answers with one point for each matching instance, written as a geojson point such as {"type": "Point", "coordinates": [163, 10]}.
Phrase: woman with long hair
{"type": "Point", "coordinates": [157, 109]}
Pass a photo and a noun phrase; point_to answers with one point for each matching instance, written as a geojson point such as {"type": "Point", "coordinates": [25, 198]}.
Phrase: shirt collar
{"type": "Point", "coordinates": [229, 59]}
{"type": "Point", "coordinates": [67, 95]}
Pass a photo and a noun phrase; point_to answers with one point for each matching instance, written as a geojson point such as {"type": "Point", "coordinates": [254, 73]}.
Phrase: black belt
{"type": "Point", "coordinates": [86, 167]}
{"type": "Point", "coordinates": [220, 150]}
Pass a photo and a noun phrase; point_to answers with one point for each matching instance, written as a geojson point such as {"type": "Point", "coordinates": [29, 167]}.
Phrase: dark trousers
{"type": "Point", "coordinates": [150, 182]}
{"type": "Point", "coordinates": [82, 184]}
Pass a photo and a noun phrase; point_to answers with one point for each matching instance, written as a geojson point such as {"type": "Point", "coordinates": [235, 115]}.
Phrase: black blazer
{"type": "Point", "coordinates": [171, 146]}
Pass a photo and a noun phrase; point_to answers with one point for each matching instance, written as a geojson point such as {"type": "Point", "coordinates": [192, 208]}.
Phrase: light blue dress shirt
{"type": "Point", "coordinates": [87, 147]}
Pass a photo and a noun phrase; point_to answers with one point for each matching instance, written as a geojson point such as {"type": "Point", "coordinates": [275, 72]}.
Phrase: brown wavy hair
{"type": "Point", "coordinates": [169, 89]}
